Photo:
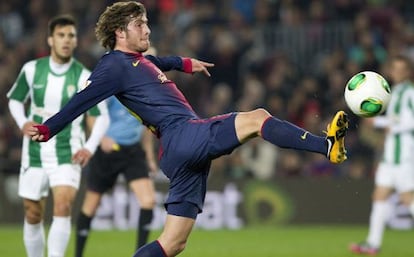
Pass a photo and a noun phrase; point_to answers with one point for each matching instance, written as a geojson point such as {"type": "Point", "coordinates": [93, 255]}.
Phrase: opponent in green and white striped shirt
{"type": "Point", "coordinates": [396, 170]}
{"type": "Point", "coordinates": [44, 86]}
{"type": "Point", "coordinates": [399, 120]}
{"type": "Point", "coordinates": [49, 86]}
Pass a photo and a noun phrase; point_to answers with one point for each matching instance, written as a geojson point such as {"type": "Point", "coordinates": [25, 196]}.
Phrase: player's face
{"type": "Point", "coordinates": [62, 43]}
{"type": "Point", "coordinates": [399, 71]}
{"type": "Point", "coordinates": [137, 34]}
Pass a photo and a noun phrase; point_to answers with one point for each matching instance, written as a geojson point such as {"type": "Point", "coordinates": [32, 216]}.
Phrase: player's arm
{"type": "Point", "coordinates": [18, 95]}
{"type": "Point", "coordinates": [403, 125]}
{"type": "Point", "coordinates": [102, 84]}
{"type": "Point", "coordinates": [17, 111]}
{"type": "Point", "coordinates": [97, 125]}
{"type": "Point", "coordinates": [147, 141]}
{"type": "Point", "coordinates": [381, 122]}
{"type": "Point", "coordinates": [405, 122]}
{"type": "Point", "coordinates": [185, 64]}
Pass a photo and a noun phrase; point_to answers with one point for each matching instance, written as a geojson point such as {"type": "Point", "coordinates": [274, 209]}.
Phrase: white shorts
{"type": "Point", "coordinates": [397, 176]}
{"type": "Point", "coordinates": [34, 183]}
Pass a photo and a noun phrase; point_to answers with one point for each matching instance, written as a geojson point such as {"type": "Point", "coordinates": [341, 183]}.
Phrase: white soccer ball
{"type": "Point", "coordinates": [367, 94]}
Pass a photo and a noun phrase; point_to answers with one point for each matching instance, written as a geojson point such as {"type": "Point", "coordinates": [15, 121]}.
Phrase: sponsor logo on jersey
{"type": "Point", "coordinates": [23, 170]}
{"type": "Point", "coordinates": [38, 86]}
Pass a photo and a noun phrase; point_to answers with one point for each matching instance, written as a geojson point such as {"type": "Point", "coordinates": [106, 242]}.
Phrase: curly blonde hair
{"type": "Point", "coordinates": [114, 17]}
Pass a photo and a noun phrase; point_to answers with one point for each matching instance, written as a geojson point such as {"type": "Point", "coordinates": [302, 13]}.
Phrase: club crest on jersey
{"type": "Point", "coordinates": [70, 90]}
{"type": "Point", "coordinates": [162, 77]}
{"type": "Point", "coordinates": [86, 84]}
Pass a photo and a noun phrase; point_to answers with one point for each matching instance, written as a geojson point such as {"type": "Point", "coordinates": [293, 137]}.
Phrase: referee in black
{"type": "Point", "coordinates": [121, 152]}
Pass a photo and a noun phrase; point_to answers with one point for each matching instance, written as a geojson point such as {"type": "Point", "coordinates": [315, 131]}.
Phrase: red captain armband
{"type": "Point", "coordinates": [44, 131]}
{"type": "Point", "coordinates": [187, 65]}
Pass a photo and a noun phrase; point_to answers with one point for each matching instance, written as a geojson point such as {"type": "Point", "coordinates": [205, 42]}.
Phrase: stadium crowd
{"type": "Point", "coordinates": [293, 57]}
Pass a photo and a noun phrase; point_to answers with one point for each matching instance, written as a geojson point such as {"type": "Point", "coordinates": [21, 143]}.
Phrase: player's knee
{"type": "Point", "coordinates": [178, 247]}
{"type": "Point", "coordinates": [61, 209]}
{"type": "Point", "coordinates": [32, 215]}
{"type": "Point", "coordinates": [381, 193]}
{"type": "Point", "coordinates": [181, 247]}
{"type": "Point", "coordinates": [147, 203]}
{"type": "Point", "coordinates": [261, 114]}
{"type": "Point", "coordinates": [256, 117]}
{"type": "Point", "coordinates": [406, 199]}
{"type": "Point", "coordinates": [173, 246]}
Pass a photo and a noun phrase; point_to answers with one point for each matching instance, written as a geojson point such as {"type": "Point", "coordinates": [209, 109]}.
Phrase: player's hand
{"type": "Point", "coordinates": [368, 121]}
{"type": "Point", "coordinates": [200, 66]}
{"type": "Point", "coordinates": [108, 145]}
{"type": "Point", "coordinates": [37, 132]}
{"type": "Point", "coordinates": [82, 157]}
{"type": "Point", "coordinates": [29, 129]}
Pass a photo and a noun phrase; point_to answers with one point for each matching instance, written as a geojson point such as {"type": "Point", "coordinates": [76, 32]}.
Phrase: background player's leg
{"type": "Point", "coordinates": [378, 218]}
{"type": "Point", "coordinates": [171, 241]}
{"type": "Point", "coordinates": [144, 191]}
{"type": "Point", "coordinates": [59, 233]}
{"type": "Point", "coordinates": [83, 224]}
{"type": "Point", "coordinates": [33, 230]}
{"type": "Point", "coordinates": [281, 133]}
{"type": "Point", "coordinates": [379, 214]}
{"type": "Point", "coordinates": [405, 186]}
{"type": "Point", "coordinates": [407, 198]}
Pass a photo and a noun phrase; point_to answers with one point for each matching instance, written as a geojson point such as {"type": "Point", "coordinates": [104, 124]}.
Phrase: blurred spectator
{"type": "Point", "coordinates": [11, 23]}
{"type": "Point", "coordinates": [290, 164]}
{"type": "Point", "coordinates": [220, 101]}
{"type": "Point", "coordinates": [259, 159]}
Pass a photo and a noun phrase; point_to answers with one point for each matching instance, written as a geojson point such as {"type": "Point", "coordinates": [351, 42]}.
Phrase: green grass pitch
{"type": "Point", "coordinates": [286, 241]}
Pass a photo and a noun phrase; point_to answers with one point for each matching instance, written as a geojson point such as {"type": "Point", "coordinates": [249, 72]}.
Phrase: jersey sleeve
{"type": "Point", "coordinates": [102, 83]}
{"type": "Point", "coordinates": [99, 109]}
{"type": "Point", "coordinates": [20, 89]}
{"type": "Point", "coordinates": [168, 63]}
{"type": "Point", "coordinates": [381, 121]}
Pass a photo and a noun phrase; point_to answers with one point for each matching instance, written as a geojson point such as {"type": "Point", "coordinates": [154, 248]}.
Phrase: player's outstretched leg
{"type": "Point", "coordinates": [287, 135]}
{"type": "Point", "coordinates": [335, 135]}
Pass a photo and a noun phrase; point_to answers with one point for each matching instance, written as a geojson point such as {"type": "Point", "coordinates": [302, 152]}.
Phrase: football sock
{"type": "Point", "coordinates": [379, 214]}
{"type": "Point", "coordinates": [152, 249]}
{"type": "Point", "coordinates": [287, 135]}
{"type": "Point", "coordinates": [83, 226]}
{"type": "Point", "coordinates": [58, 237]}
{"type": "Point", "coordinates": [34, 239]}
{"type": "Point", "coordinates": [144, 222]}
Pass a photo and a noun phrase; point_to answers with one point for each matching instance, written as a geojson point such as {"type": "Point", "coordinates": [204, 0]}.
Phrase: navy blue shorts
{"type": "Point", "coordinates": [187, 151]}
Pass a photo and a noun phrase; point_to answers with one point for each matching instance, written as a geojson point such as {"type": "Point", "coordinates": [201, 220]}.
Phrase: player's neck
{"type": "Point", "coordinates": [60, 60]}
{"type": "Point", "coordinates": [126, 50]}
{"type": "Point", "coordinates": [59, 68]}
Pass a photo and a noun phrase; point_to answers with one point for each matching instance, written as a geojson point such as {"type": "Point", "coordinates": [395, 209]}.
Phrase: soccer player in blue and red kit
{"type": "Point", "coordinates": [188, 143]}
